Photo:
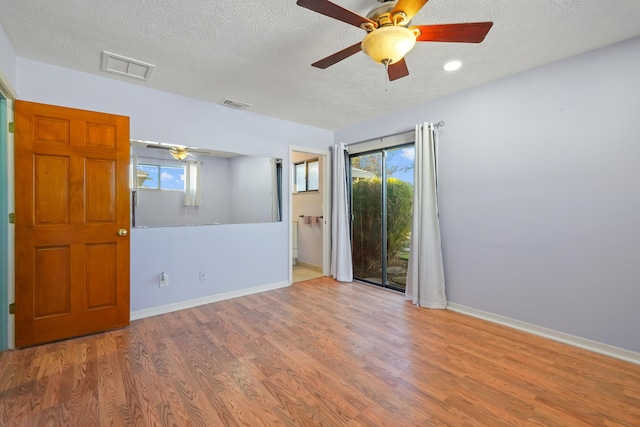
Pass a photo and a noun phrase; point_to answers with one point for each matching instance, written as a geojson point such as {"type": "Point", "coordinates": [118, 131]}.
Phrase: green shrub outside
{"type": "Point", "coordinates": [367, 226]}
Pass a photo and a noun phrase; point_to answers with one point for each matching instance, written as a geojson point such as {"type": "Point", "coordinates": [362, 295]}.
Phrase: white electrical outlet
{"type": "Point", "coordinates": [164, 280]}
{"type": "Point", "coordinates": [203, 275]}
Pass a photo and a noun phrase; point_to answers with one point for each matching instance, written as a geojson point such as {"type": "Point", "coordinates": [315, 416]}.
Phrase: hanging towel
{"type": "Point", "coordinates": [307, 220]}
{"type": "Point", "coordinates": [314, 220]}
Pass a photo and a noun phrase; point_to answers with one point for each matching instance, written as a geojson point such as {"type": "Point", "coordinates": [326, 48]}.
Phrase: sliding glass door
{"type": "Point", "coordinates": [381, 205]}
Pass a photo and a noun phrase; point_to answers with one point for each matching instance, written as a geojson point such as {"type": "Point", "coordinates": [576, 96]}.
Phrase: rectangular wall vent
{"type": "Point", "coordinates": [124, 66]}
{"type": "Point", "coordinates": [234, 104]}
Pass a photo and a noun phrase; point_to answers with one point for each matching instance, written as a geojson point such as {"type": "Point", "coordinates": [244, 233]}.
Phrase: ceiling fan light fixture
{"type": "Point", "coordinates": [178, 154]}
{"type": "Point", "coordinates": [388, 44]}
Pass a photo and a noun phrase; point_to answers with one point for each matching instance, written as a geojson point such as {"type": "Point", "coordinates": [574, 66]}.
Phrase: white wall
{"type": "Point", "coordinates": [7, 59]}
{"type": "Point", "coordinates": [250, 189]}
{"type": "Point", "coordinates": [309, 204]}
{"type": "Point", "coordinates": [235, 256]}
{"type": "Point", "coordinates": [540, 193]}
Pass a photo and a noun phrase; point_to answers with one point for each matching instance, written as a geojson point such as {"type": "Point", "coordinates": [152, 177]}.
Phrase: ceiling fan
{"type": "Point", "coordinates": [388, 38]}
{"type": "Point", "coordinates": [178, 152]}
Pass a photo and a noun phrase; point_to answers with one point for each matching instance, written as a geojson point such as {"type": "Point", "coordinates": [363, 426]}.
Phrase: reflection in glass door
{"type": "Point", "coordinates": [381, 206]}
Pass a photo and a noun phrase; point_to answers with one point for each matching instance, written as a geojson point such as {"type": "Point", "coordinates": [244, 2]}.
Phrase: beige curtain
{"type": "Point", "coordinates": [341, 262]}
{"type": "Point", "coordinates": [193, 184]}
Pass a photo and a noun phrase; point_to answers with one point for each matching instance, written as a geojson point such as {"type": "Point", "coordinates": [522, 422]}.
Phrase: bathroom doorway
{"type": "Point", "coordinates": [310, 222]}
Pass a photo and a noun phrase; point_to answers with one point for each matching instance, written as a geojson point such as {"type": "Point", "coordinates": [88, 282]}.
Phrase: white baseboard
{"type": "Point", "coordinates": [597, 347]}
{"type": "Point", "coordinates": [168, 308]}
{"type": "Point", "coordinates": [309, 266]}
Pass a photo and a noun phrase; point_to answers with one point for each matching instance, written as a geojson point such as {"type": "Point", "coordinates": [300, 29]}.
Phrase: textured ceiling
{"type": "Point", "coordinates": [259, 52]}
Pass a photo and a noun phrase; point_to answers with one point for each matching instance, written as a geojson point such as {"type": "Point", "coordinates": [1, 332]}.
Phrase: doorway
{"type": "Point", "coordinates": [381, 208]}
{"type": "Point", "coordinates": [310, 213]}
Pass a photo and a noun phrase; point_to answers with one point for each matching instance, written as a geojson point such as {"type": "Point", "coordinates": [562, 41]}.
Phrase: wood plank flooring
{"type": "Point", "coordinates": [316, 354]}
{"type": "Point", "coordinates": [302, 273]}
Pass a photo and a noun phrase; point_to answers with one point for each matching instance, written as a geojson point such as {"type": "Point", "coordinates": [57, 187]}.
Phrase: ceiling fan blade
{"type": "Point", "coordinates": [473, 32]}
{"type": "Point", "coordinates": [397, 70]}
{"type": "Point", "coordinates": [338, 56]}
{"type": "Point", "coordinates": [332, 10]}
{"type": "Point", "coordinates": [409, 7]}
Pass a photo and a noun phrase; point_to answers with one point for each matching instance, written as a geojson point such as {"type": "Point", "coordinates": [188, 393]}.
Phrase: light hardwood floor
{"type": "Point", "coordinates": [317, 353]}
{"type": "Point", "coordinates": [302, 273]}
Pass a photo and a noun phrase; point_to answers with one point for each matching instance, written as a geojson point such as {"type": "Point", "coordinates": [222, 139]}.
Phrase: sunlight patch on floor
{"type": "Point", "coordinates": [300, 273]}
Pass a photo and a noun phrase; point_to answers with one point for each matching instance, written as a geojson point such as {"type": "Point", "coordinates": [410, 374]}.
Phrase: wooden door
{"type": "Point", "coordinates": [72, 222]}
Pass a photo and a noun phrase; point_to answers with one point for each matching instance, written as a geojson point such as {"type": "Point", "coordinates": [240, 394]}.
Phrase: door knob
{"type": "Point", "coordinates": [122, 232]}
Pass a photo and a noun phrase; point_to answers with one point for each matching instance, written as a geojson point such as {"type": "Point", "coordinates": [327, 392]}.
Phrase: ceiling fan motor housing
{"type": "Point", "coordinates": [382, 14]}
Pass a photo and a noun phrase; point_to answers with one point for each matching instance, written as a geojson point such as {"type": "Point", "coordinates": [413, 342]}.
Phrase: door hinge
{"type": "Point", "coordinates": [12, 308]}
{"type": "Point", "coordinates": [12, 218]}
{"type": "Point", "coordinates": [12, 127]}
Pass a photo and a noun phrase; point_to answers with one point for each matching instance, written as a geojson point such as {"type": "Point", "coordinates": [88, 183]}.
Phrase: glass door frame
{"type": "Point", "coordinates": [384, 205]}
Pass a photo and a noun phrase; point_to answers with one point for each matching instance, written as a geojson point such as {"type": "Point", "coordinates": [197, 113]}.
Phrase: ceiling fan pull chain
{"type": "Point", "coordinates": [386, 73]}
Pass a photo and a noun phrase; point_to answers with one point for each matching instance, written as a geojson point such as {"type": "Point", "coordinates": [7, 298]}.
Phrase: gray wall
{"type": "Point", "coordinates": [7, 59]}
{"type": "Point", "coordinates": [540, 193]}
{"type": "Point", "coordinates": [250, 188]}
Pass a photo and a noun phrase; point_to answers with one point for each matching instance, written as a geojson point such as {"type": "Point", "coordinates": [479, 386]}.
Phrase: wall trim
{"type": "Point", "coordinates": [11, 231]}
{"type": "Point", "coordinates": [586, 344]}
{"type": "Point", "coordinates": [4, 228]}
{"type": "Point", "coordinates": [168, 308]}
{"type": "Point", "coordinates": [309, 266]}
{"type": "Point", "coordinates": [5, 87]}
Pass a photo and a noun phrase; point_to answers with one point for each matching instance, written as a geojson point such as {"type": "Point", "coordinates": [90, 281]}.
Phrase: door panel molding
{"type": "Point", "coordinates": [51, 281]}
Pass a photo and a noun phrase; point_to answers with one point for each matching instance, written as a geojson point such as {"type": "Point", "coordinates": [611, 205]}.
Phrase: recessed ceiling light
{"type": "Point", "coordinates": [452, 66]}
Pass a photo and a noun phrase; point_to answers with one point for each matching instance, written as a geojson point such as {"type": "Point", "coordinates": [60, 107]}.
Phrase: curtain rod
{"type": "Point", "coordinates": [173, 161]}
{"type": "Point", "coordinates": [436, 125]}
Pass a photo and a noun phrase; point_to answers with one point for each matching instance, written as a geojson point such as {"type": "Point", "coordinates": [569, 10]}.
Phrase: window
{"type": "Point", "coordinates": [306, 176]}
{"type": "Point", "coordinates": [162, 177]}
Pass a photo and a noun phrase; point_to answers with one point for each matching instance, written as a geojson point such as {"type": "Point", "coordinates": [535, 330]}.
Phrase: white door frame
{"type": "Point", "coordinates": [326, 206]}
{"type": "Point", "coordinates": [9, 94]}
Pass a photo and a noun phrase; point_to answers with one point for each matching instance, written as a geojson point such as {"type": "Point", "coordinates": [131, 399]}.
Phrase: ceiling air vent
{"type": "Point", "coordinates": [234, 104]}
{"type": "Point", "coordinates": [124, 66]}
